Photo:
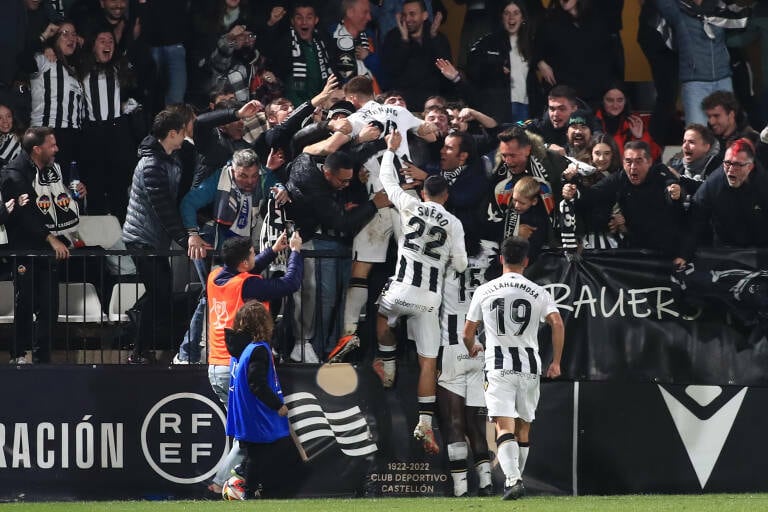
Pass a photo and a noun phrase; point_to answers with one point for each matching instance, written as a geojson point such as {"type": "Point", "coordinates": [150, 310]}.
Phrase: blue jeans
{"type": "Point", "coordinates": [692, 94]}
{"type": "Point", "coordinates": [219, 376]}
{"type": "Point", "coordinates": [519, 111]}
{"type": "Point", "coordinates": [320, 301]}
{"type": "Point", "coordinates": [190, 345]}
{"type": "Point", "coordinates": [172, 62]}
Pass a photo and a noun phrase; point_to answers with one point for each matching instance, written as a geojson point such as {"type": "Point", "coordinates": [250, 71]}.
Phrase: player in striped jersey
{"type": "Point", "coordinates": [460, 377]}
{"type": "Point", "coordinates": [432, 244]}
{"type": "Point", "coordinates": [370, 244]}
{"type": "Point", "coordinates": [511, 307]}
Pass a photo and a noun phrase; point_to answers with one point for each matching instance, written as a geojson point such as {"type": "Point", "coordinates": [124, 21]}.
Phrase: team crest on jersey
{"type": "Point", "coordinates": [63, 201]}
{"type": "Point", "coordinates": [44, 203]}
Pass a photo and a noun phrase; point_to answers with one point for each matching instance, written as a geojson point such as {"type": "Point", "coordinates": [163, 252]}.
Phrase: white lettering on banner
{"type": "Point", "coordinates": [38, 443]}
{"type": "Point", "coordinates": [168, 437]}
{"type": "Point", "coordinates": [703, 438]}
{"type": "Point", "coordinates": [633, 302]}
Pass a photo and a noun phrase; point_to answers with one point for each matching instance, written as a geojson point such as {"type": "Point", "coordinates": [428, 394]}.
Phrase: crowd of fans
{"type": "Point", "coordinates": [246, 106]}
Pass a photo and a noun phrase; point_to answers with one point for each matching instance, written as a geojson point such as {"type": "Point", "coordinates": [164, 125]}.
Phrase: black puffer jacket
{"type": "Point", "coordinates": [153, 218]}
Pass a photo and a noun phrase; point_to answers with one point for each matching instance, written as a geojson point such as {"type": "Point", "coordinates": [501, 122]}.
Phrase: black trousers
{"type": "Point", "coordinates": [155, 308]}
{"type": "Point", "coordinates": [36, 288]}
{"type": "Point", "coordinates": [107, 160]}
{"type": "Point", "coordinates": [276, 467]}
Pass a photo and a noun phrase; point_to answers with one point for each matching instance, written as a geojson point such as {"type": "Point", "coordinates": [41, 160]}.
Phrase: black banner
{"type": "Point", "coordinates": [629, 316]}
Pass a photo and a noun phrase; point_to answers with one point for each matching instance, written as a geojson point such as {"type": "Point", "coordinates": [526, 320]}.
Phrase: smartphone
{"type": "Point", "coordinates": [290, 227]}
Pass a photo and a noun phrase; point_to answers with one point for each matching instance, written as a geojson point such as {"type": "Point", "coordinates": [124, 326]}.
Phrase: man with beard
{"type": "Point", "coordinates": [410, 52]}
{"type": "Point", "coordinates": [34, 175]}
{"type": "Point", "coordinates": [578, 134]}
{"type": "Point", "coordinates": [727, 119]}
{"type": "Point", "coordinates": [650, 199]}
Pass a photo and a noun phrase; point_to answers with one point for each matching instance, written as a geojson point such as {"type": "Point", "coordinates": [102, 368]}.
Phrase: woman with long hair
{"type": "Point", "coordinates": [257, 414]}
{"type": "Point", "coordinates": [109, 147]}
{"type": "Point", "coordinates": [500, 68]}
{"type": "Point", "coordinates": [617, 120]}
{"type": "Point", "coordinates": [57, 94]}
{"type": "Point", "coordinates": [10, 143]}
{"type": "Point", "coordinates": [599, 227]}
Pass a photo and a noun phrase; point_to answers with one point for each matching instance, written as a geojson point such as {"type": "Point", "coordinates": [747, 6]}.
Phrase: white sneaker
{"type": "Point", "coordinates": [176, 360]}
{"type": "Point", "coordinates": [309, 353]}
{"type": "Point", "coordinates": [20, 360]}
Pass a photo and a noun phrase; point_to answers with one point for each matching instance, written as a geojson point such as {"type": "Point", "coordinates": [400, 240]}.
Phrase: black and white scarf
{"type": "Point", "coordinates": [453, 174]}
{"type": "Point", "coordinates": [299, 65]}
{"type": "Point", "coordinates": [501, 209]}
{"type": "Point", "coordinates": [54, 201]}
{"type": "Point", "coordinates": [718, 13]}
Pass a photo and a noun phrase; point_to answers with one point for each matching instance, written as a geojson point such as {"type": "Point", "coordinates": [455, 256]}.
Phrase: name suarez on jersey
{"type": "Point", "coordinates": [512, 284]}
{"type": "Point", "coordinates": [432, 213]}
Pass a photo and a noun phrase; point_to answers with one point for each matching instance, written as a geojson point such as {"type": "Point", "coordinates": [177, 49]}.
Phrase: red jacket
{"type": "Point", "coordinates": [624, 134]}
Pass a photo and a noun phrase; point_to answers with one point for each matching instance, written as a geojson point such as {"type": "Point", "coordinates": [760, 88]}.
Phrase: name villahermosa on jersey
{"type": "Point", "coordinates": [489, 288]}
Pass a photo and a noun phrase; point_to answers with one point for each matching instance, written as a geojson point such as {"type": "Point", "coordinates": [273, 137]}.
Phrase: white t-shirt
{"type": "Point", "coordinates": [433, 239]}
{"type": "Point", "coordinates": [518, 69]}
{"type": "Point", "coordinates": [511, 308]}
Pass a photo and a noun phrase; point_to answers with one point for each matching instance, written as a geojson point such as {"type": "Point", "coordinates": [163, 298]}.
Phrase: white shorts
{"type": "Point", "coordinates": [512, 394]}
{"type": "Point", "coordinates": [397, 301]}
{"type": "Point", "coordinates": [462, 375]}
{"type": "Point", "coordinates": [371, 243]}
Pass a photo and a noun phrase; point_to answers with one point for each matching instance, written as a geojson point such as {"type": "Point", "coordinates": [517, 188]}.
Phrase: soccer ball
{"type": "Point", "coordinates": [233, 489]}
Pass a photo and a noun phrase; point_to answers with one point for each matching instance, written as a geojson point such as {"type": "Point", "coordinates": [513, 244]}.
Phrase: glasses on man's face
{"type": "Point", "coordinates": [727, 164]}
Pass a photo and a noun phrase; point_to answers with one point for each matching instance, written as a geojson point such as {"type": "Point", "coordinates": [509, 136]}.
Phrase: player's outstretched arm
{"type": "Point", "coordinates": [555, 321]}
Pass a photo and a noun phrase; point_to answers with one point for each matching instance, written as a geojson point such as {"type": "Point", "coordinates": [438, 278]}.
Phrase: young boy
{"type": "Point", "coordinates": [533, 223]}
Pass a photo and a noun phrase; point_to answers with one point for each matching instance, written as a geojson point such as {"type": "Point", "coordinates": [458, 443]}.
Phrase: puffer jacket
{"type": "Point", "coordinates": [153, 219]}
{"type": "Point", "coordinates": [702, 59]}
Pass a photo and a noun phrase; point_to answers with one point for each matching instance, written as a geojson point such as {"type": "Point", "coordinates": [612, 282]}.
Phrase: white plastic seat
{"type": "Point", "coordinates": [6, 302]}
{"type": "Point", "coordinates": [669, 152]}
{"type": "Point", "coordinates": [79, 303]}
{"type": "Point", "coordinates": [124, 296]}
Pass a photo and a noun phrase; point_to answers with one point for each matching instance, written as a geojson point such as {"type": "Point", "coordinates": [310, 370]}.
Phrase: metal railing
{"type": "Point", "coordinates": [83, 310]}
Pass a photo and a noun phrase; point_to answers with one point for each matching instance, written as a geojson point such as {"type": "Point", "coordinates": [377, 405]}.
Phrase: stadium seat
{"type": "Point", "coordinates": [103, 230]}
{"type": "Point", "coordinates": [79, 303]}
{"type": "Point", "coordinates": [124, 296]}
{"type": "Point", "coordinates": [6, 302]}
{"type": "Point", "coordinates": [669, 152]}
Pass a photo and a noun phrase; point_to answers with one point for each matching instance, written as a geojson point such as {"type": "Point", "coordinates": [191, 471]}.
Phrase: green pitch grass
{"type": "Point", "coordinates": [673, 503]}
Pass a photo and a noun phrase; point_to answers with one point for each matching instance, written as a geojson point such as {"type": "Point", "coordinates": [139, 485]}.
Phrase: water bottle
{"type": "Point", "coordinates": [74, 179]}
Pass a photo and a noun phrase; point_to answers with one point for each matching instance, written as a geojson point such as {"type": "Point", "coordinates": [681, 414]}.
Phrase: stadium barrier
{"type": "Point", "coordinates": [663, 392]}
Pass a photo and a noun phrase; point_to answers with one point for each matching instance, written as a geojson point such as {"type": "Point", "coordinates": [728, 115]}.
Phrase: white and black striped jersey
{"type": "Point", "coordinates": [395, 116]}
{"type": "Point", "coordinates": [10, 146]}
{"type": "Point", "coordinates": [432, 241]}
{"type": "Point", "coordinates": [458, 290]}
{"type": "Point", "coordinates": [511, 308]}
{"type": "Point", "coordinates": [102, 96]}
{"type": "Point", "coordinates": [57, 96]}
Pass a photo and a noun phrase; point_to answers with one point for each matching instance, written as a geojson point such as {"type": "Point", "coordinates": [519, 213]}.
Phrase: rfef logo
{"type": "Point", "coordinates": [183, 438]}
